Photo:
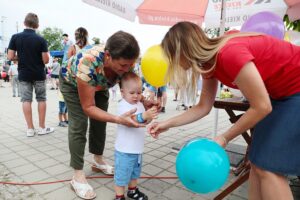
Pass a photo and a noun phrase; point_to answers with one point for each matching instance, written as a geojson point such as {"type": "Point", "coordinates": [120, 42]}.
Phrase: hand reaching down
{"type": "Point", "coordinates": [221, 140]}
{"type": "Point", "coordinates": [156, 128]}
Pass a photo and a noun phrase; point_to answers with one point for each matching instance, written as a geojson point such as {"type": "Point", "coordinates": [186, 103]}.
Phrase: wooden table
{"type": "Point", "coordinates": [243, 170]}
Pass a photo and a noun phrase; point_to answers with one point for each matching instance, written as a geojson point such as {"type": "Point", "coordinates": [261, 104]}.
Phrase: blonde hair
{"type": "Point", "coordinates": [186, 40]}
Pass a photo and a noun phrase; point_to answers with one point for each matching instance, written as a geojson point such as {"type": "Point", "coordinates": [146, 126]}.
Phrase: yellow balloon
{"type": "Point", "coordinates": [154, 66]}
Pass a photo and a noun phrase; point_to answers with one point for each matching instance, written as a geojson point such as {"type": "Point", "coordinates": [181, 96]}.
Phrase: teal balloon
{"type": "Point", "coordinates": [202, 166]}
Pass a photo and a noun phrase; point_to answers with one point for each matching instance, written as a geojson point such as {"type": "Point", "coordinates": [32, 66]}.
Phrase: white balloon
{"type": "Point", "coordinates": [294, 37]}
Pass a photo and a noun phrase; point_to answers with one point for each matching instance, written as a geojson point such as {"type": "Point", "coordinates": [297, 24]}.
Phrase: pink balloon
{"type": "Point", "coordinates": [265, 22]}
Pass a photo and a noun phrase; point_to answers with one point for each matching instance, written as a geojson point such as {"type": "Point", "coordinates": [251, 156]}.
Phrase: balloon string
{"type": "Point", "coordinates": [156, 99]}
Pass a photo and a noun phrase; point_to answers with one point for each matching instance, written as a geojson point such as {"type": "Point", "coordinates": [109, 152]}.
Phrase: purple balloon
{"type": "Point", "coordinates": [265, 22]}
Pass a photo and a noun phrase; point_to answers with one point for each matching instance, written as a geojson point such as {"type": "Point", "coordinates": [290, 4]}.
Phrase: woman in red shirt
{"type": "Point", "coordinates": [267, 71]}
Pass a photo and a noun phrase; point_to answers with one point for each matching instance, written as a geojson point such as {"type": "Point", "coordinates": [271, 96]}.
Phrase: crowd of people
{"type": "Point", "coordinates": [86, 72]}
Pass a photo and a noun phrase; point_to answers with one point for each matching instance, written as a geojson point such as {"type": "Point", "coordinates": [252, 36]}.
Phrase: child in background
{"type": "Point", "coordinates": [129, 143]}
{"type": "Point", "coordinates": [62, 115]}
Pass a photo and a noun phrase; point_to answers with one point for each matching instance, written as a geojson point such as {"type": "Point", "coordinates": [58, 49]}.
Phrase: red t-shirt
{"type": "Point", "coordinates": [277, 61]}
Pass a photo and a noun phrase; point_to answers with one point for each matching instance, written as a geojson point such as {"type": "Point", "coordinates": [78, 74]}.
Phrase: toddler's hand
{"type": "Point", "coordinates": [151, 114]}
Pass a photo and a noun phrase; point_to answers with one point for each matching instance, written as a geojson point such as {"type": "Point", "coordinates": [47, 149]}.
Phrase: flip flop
{"type": "Point", "coordinates": [106, 169]}
{"type": "Point", "coordinates": [81, 189]}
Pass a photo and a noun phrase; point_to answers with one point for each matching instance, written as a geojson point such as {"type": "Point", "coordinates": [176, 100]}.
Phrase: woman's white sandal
{"type": "Point", "coordinates": [81, 189]}
{"type": "Point", "coordinates": [106, 168]}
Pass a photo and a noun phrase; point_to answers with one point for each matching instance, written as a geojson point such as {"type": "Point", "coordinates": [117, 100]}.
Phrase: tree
{"type": "Point", "coordinates": [96, 40]}
{"type": "Point", "coordinates": [53, 36]}
{"type": "Point", "coordinates": [214, 32]}
{"type": "Point", "coordinates": [295, 25]}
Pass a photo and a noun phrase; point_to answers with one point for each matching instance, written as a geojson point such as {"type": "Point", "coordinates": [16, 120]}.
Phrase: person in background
{"type": "Point", "coordinates": [62, 113]}
{"type": "Point", "coordinates": [13, 73]}
{"type": "Point", "coordinates": [3, 75]}
{"type": "Point", "coordinates": [267, 72]}
{"type": "Point", "coordinates": [161, 95]}
{"type": "Point", "coordinates": [55, 68]}
{"type": "Point", "coordinates": [32, 56]}
{"type": "Point", "coordinates": [129, 144]}
{"type": "Point", "coordinates": [176, 91]}
{"type": "Point", "coordinates": [81, 38]}
{"type": "Point", "coordinates": [66, 42]}
{"type": "Point", "coordinates": [5, 71]}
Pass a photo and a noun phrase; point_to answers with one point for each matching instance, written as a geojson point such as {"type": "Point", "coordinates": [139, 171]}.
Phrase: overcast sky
{"type": "Point", "coordinates": [71, 14]}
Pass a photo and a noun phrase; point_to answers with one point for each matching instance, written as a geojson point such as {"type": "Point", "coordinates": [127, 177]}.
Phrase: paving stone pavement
{"type": "Point", "coordinates": [14, 192]}
{"type": "Point", "coordinates": [46, 158]}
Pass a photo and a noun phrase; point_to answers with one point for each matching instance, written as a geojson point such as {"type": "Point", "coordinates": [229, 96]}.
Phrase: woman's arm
{"type": "Point", "coordinates": [197, 112]}
{"type": "Point", "coordinates": [253, 88]}
{"type": "Point", "coordinates": [87, 100]}
{"type": "Point", "coordinates": [71, 51]}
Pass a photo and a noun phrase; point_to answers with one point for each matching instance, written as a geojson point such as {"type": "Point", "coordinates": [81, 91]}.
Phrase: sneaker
{"type": "Point", "coordinates": [45, 131]}
{"type": "Point", "coordinates": [62, 124]}
{"type": "Point", "coordinates": [136, 194]}
{"type": "Point", "coordinates": [30, 132]}
{"type": "Point", "coordinates": [163, 110]}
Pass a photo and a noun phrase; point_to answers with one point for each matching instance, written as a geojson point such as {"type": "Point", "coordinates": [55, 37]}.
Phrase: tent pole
{"type": "Point", "coordinates": [221, 32]}
{"type": "Point", "coordinates": [223, 17]}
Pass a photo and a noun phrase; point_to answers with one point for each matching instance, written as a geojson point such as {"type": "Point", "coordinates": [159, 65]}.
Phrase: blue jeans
{"type": "Point", "coordinates": [62, 107]}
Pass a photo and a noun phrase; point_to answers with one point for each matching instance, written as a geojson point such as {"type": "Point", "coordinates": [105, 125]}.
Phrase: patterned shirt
{"type": "Point", "coordinates": [87, 65]}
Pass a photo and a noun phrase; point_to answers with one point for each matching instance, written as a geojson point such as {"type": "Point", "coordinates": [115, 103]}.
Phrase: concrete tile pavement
{"type": "Point", "coordinates": [46, 158]}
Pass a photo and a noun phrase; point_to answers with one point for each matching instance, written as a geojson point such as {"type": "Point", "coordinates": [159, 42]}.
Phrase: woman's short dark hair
{"type": "Point", "coordinates": [31, 21]}
{"type": "Point", "coordinates": [122, 45]}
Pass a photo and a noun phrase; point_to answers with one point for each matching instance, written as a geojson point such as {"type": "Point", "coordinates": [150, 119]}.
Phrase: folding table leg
{"type": "Point", "coordinates": [238, 182]}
